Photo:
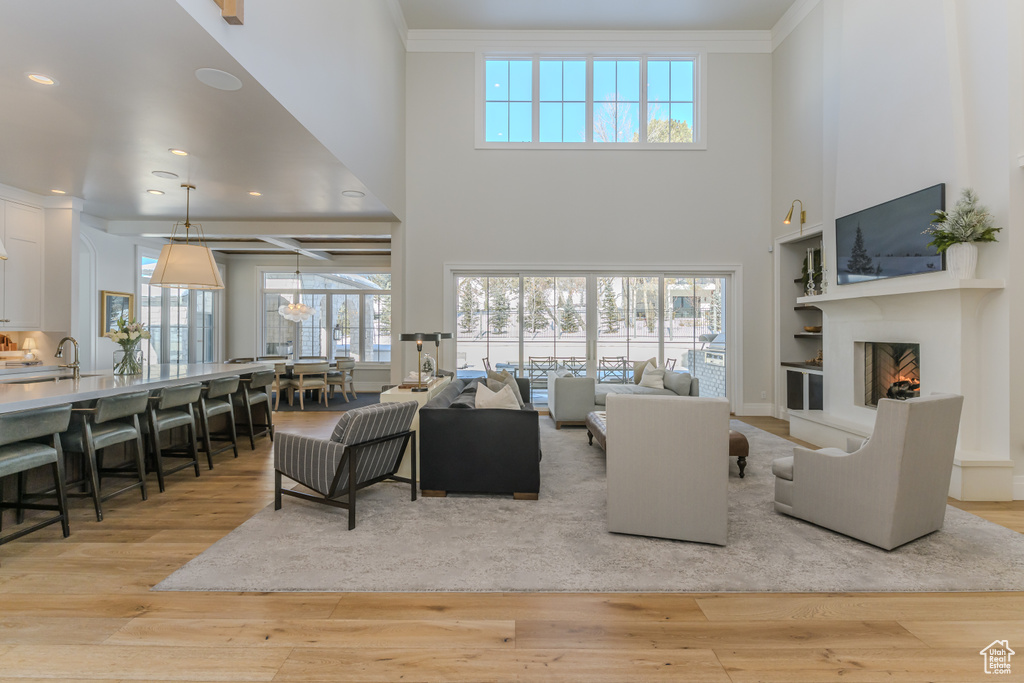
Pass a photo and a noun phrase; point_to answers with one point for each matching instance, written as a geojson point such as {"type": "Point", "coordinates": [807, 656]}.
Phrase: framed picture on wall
{"type": "Point", "coordinates": [115, 305]}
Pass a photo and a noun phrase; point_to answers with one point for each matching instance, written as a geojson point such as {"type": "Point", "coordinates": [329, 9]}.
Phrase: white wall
{"type": "Point", "coordinates": [915, 93]}
{"type": "Point", "coordinates": [339, 67]}
{"type": "Point", "coordinates": [592, 207]}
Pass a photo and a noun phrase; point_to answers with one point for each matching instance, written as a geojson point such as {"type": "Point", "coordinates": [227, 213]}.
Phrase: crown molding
{"type": "Point", "coordinates": [575, 42]}
{"type": "Point", "coordinates": [796, 13]}
{"type": "Point", "coordinates": [398, 17]}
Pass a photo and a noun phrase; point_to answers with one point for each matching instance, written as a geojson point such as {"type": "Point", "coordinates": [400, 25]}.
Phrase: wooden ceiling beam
{"type": "Point", "coordinates": [231, 10]}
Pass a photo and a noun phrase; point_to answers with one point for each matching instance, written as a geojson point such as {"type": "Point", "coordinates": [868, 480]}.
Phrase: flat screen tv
{"type": "Point", "coordinates": [888, 240]}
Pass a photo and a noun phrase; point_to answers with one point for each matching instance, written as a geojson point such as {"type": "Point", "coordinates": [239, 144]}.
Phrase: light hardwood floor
{"type": "Point", "coordinates": [81, 609]}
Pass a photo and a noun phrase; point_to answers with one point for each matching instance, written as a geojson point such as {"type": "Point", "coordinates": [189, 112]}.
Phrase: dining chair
{"type": "Point", "coordinates": [170, 408]}
{"type": "Point", "coordinates": [312, 357]}
{"type": "Point", "coordinates": [308, 377]}
{"type": "Point", "coordinates": [342, 376]}
{"type": "Point", "coordinates": [262, 358]}
{"type": "Point", "coordinates": [22, 449]}
{"type": "Point", "coordinates": [240, 360]}
{"type": "Point", "coordinates": [215, 399]}
{"type": "Point", "coordinates": [283, 381]}
{"type": "Point", "coordinates": [110, 421]}
{"type": "Point", "coordinates": [254, 391]}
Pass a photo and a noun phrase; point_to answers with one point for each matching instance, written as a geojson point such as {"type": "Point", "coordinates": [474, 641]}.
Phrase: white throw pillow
{"type": "Point", "coordinates": [640, 366]}
{"type": "Point", "coordinates": [485, 398]}
{"type": "Point", "coordinates": [654, 377]}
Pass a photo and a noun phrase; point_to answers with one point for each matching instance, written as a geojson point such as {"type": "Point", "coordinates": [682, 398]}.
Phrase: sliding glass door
{"type": "Point", "coordinates": [591, 324]}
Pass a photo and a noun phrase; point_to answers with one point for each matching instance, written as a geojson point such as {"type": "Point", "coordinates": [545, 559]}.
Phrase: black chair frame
{"type": "Point", "coordinates": [20, 505]}
{"type": "Point", "coordinates": [351, 457]}
{"type": "Point", "coordinates": [267, 427]}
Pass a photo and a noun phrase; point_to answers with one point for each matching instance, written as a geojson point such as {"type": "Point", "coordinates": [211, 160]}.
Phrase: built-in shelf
{"type": "Point", "coordinates": [801, 365]}
{"type": "Point", "coordinates": [806, 307]}
{"type": "Point", "coordinates": [808, 335]}
{"type": "Point", "coordinates": [940, 282]}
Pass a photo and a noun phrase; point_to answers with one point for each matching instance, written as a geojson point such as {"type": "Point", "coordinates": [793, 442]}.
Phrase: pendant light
{"type": "Point", "coordinates": [187, 265]}
{"type": "Point", "coordinates": [296, 311]}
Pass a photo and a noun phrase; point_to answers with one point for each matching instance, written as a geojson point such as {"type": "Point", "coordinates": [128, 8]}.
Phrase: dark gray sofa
{"type": "Point", "coordinates": [466, 450]}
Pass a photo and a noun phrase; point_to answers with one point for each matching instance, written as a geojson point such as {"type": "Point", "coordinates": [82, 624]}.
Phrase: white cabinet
{"type": "Point", "coordinates": [21, 275]}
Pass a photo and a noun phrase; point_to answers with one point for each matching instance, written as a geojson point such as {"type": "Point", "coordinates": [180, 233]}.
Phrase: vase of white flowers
{"type": "Point", "coordinates": [955, 233]}
{"type": "Point", "coordinates": [128, 335]}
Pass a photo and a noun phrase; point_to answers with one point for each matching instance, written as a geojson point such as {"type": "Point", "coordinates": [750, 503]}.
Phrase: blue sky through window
{"type": "Point", "coordinates": [509, 110]}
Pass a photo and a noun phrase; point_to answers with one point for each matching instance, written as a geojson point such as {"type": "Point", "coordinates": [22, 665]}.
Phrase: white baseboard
{"type": "Point", "coordinates": [1018, 487]}
{"type": "Point", "coordinates": [757, 409]}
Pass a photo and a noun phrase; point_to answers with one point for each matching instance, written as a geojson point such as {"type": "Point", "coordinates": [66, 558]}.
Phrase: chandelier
{"type": "Point", "coordinates": [296, 311]}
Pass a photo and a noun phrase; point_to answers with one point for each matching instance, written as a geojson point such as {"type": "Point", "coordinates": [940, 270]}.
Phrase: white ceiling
{"type": "Point", "coordinates": [127, 92]}
{"type": "Point", "coordinates": [636, 15]}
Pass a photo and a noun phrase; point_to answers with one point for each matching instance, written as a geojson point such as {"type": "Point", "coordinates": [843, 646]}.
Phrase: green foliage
{"type": "Point", "coordinates": [860, 262]}
{"type": "Point", "coordinates": [610, 314]}
{"type": "Point", "coordinates": [569, 318]}
{"type": "Point", "coordinates": [967, 222]}
{"type": "Point", "coordinates": [501, 306]}
{"type": "Point", "coordinates": [666, 130]}
{"type": "Point", "coordinates": [537, 314]}
{"type": "Point", "coordinates": [467, 306]}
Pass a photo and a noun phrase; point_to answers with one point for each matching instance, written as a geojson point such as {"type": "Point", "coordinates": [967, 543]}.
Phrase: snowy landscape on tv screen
{"type": "Point", "coordinates": [888, 240]}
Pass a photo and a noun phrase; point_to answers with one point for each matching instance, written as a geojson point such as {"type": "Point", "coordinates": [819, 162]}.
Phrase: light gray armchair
{"type": "Point", "coordinates": [890, 491]}
{"type": "Point", "coordinates": [570, 399]}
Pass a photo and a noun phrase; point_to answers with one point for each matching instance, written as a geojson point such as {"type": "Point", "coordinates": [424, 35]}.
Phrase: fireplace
{"type": "Point", "coordinates": [891, 370]}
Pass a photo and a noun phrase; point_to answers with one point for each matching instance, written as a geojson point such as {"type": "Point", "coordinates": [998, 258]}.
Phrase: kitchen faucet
{"type": "Point", "coordinates": [60, 354]}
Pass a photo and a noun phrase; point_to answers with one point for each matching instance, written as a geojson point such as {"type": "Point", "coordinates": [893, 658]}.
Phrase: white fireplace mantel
{"type": "Point", "coordinates": [942, 315]}
{"type": "Point", "coordinates": [921, 284]}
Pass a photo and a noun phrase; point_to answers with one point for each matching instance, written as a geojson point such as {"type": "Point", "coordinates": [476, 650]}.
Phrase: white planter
{"type": "Point", "coordinates": [962, 260]}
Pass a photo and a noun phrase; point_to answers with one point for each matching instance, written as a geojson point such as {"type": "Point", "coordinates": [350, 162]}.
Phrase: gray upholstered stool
{"type": "Point", "coordinates": [169, 408]}
{"type": "Point", "coordinates": [215, 399]}
{"type": "Point", "coordinates": [19, 454]}
{"type": "Point", "coordinates": [110, 421]}
{"type": "Point", "coordinates": [254, 392]}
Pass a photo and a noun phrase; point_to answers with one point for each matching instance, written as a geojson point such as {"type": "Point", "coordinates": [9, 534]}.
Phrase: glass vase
{"type": "Point", "coordinates": [128, 361]}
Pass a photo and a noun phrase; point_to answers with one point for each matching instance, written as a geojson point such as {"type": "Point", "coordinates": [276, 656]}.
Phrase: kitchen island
{"type": "Point", "coordinates": [40, 390]}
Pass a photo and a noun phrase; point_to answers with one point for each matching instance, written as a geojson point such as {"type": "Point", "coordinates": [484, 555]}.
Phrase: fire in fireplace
{"type": "Point", "coordinates": [891, 370]}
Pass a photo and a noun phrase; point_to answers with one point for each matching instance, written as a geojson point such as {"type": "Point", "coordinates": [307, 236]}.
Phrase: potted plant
{"type": "Point", "coordinates": [955, 232]}
{"type": "Point", "coordinates": [128, 335]}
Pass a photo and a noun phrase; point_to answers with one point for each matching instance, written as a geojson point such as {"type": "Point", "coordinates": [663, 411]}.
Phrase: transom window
{"type": "Point", "coordinates": [593, 102]}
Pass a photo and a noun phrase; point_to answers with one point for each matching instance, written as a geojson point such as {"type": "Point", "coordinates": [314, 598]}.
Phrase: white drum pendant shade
{"type": "Point", "coordinates": [187, 266]}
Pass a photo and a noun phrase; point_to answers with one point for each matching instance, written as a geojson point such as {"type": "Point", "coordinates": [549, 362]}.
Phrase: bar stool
{"type": "Point", "coordinates": [343, 376]}
{"type": "Point", "coordinates": [110, 421]}
{"type": "Point", "coordinates": [215, 399]}
{"type": "Point", "coordinates": [19, 454]}
{"type": "Point", "coordinates": [255, 391]}
{"type": "Point", "coordinates": [171, 407]}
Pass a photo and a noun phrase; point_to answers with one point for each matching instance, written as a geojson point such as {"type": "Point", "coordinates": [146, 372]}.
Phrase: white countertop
{"type": "Point", "coordinates": [51, 392]}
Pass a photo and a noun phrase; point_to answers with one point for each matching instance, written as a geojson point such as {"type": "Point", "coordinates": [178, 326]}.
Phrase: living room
{"type": "Point", "coordinates": [843, 105]}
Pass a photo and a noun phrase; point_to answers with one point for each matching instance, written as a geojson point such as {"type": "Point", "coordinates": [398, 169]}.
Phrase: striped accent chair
{"type": "Point", "coordinates": [369, 441]}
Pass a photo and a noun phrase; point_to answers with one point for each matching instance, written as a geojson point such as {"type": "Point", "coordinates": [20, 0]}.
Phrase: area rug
{"type": "Point", "coordinates": [560, 543]}
{"type": "Point", "coordinates": [337, 404]}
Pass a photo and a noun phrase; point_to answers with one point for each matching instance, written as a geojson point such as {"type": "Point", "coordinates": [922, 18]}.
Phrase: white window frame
{"type": "Point", "coordinates": [364, 312]}
{"type": "Point", "coordinates": [193, 329]}
{"type": "Point", "coordinates": [698, 55]}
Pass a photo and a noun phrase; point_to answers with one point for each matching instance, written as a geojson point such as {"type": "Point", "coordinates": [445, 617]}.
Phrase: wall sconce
{"type": "Point", "coordinates": [803, 215]}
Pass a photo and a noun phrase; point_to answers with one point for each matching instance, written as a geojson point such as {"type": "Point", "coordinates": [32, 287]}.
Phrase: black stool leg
{"type": "Point", "coordinates": [205, 420]}
{"type": "Point", "coordinates": [140, 453]}
{"type": "Point", "coordinates": [154, 439]}
{"type": "Point", "coordinates": [234, 432]}
{"type": "Point", "coordinates": [62, 498]}
{"type": "Point", "coordinates": [94, 480]}
{"type": "Point", "coordinates": [270, 420]}
{"type": "Point", "coordinates": [248, 418]}
{"type": "Point", "coordinates": [193, 446]}
{"type": "Point", "coordinates": [20, 512]}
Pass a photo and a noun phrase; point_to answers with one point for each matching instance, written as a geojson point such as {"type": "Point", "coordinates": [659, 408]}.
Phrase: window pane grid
{"type": "Point", "coordinates": [632, 101]}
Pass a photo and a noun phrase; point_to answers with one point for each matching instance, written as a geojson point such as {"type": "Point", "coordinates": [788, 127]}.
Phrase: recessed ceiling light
{"type": "Point", "coordinates": [165, 174]}
{"type": "Point", "coordinates": [179, 152]}
{"type": "Point", "coordinates": [42, 79]}
{"type": "Point", "coordinates": [355, 194]}
{"type": "Point", "coordinates": [254, 193]}
{"type": "Point", "coordinates": [221, 80]}
{"type": "Point", "coordinates": [155, 191]}
{"type": "Point", "coordinates": [58, 191]}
